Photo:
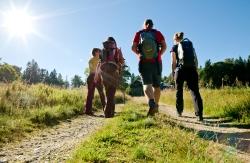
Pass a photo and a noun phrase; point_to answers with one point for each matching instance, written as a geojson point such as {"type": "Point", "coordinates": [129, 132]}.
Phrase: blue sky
{"type": "Point", "coordinates": [68, 30]}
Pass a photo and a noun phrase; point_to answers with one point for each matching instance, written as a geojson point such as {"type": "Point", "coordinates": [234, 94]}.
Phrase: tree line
{"type": "Point", "coordinates": [230, 72]}
{"type": "Point", "coordinates": [33, 74]}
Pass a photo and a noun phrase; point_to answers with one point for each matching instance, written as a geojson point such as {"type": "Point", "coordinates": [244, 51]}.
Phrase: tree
{"type": "Point", "coordinates": [8, 73]}
{"type": "Point", "coordinates": [240, 70]}
{"type": "Point", "coordinates": [230, 72]}
{"type": "Point", "coordinates": [86, 73]}
{"type": "Point", "coordinates": [46, 77]}
{"type": "Point", "coordinates": [66, 83]}
{"type": "Point", "coordinates": [169, 80]}
{"type": "Point", "coordinates": [18, 70]}
{"type": "Point", "coordinates": [32, 73]}
{"type": "Point", "coordinates": [248, 69]}
{"type": "Point", "coordinates": [76, 81]}
{"type": "Point", "coordinates": [125, 76]}
{"type": "Point", "coordinates": [206, 73]}
{"type": "Point", "coordinates": [53, 80]}
{"type": "Point", "coordinates": [60, 80]}
{"type": "Point", "coordinates": [43, 74]}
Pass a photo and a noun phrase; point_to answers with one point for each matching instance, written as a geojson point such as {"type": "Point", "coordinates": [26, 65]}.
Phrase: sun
{"type": "Point", "coordinates": [18, 23]}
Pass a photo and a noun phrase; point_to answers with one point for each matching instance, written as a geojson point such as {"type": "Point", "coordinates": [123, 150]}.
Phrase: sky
{"type": "Point", "coordinates": [64, 32]}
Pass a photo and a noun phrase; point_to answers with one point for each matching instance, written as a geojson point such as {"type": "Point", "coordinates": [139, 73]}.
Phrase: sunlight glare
{"type": "Point", "coordinates": [18, 23]}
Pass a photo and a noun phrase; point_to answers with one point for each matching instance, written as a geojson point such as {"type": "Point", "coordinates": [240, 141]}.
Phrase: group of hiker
{"type": "Point", "coordinates": [149, 45]}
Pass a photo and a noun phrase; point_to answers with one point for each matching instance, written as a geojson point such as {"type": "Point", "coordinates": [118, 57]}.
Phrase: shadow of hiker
{"type": "Point", "coordinates": [239, 140]}
{"type": "Point", "coordinates": [224, 122]}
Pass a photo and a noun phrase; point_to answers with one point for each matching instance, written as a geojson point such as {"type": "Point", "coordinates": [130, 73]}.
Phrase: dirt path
{"type": "Point", "coordinates": [237, 140]}
{"type": "Point", "coordinates": [57, 143]}
{"type": "Point", "coordinates": [52, 144]}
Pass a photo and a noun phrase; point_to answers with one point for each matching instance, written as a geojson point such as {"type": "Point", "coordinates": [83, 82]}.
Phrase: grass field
{"type": "Point", "coordinates": [227, 102]}
{"type": "Point", "coordinates": [132, 137]}
{"type": "Point", "coordinates": [25, 108]}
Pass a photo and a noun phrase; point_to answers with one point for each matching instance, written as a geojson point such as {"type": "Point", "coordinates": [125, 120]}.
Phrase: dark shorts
{"type": "Point", "coordinates": [151, 73]}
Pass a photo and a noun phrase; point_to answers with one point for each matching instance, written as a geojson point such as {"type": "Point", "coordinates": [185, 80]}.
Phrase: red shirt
{"type": "Point", "coordinates": [159, 38]}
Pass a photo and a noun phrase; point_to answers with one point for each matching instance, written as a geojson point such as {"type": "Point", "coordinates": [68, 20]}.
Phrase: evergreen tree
{"type": "Point", "coordinates": [53, 80]}
{"type": "Point", "coordinates": [76, 81]}
{"type": "Point", "coordinates": [32, 73]}
{"type": "Point", "coordinates": [60, 80]}
{"type": "Point", "coordinates": [125, 76]}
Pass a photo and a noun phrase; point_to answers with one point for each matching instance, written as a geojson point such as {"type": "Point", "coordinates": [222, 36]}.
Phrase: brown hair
{"type": "Point", "coordinates": [94, 50]}
{"type": "Point", "coordinates": [178, 36]}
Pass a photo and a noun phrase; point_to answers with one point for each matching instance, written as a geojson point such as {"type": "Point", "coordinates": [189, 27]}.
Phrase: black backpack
{"type": "Point", "coordinates": [186, 54]}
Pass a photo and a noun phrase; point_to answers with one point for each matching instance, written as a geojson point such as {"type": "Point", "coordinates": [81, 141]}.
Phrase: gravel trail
{"type": "Point", "coordinates": [53, 144]}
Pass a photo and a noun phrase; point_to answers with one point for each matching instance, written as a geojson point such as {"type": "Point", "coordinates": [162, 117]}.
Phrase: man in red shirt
{"type": "Point", "coordinates": [149, 45]}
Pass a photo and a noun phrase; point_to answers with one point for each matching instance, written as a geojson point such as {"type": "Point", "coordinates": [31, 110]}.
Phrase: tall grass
{"type": "Point", "coordinates": [227, 102]}
{"type": "Point", "coordinates": [26, 107]}
{"type": "Point", "coordinates": [132, 137]}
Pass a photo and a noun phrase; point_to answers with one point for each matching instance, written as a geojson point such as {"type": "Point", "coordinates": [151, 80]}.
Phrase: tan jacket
{"type": "Point", "coordinates": [93, 64]}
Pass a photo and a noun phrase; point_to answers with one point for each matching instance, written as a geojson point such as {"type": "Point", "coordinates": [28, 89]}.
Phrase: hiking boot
{"type": "Point", "coordinates": [151, 112]}
{"type": "Point", "coordinates": [179, 114]}
{"type": "Point", "coordinates": [89, 113]}
{"type": "Point", "coordinates": [156, 108]}
{"type": "Point", "coordinates": [199, 118]}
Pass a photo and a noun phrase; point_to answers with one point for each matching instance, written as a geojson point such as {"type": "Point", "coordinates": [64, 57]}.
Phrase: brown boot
{"type": "Point", "coordinates": [152, 110]}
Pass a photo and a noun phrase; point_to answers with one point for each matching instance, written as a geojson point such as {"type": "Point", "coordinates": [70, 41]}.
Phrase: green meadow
{"type": "Point", "coordinates": [133, 137]}
{"type": "Point", "coordinates": [228, 102]}
{"type": "Point", "coordinates": [25, 108]}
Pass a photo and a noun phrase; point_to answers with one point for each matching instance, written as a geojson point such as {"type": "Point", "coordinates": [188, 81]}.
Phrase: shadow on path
{"type": "Point", "coordinates": [213, 128]}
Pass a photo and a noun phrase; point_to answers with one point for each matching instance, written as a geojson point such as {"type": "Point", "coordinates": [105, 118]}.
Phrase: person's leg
{"type": "Point", "coordinates": [112, 99]}
{"type": "Point", "coordinates": [99, 87]}
{"type": "Point", "coordinates": [148, 90]}
{"type": "Point", "coordinates": [192, 82]}
{"type": "Point", "coordinates": [157, 95]}
{"type": "Point", "coordinates": [90, 96]}
{"type": "Point", "coordinates": [179, 80]}
{"type": "Point", "coordinates": [156, 85]}
{"type": "Point", "coordinates": [110, 106]}
{"type": "Point", "coordinates": [146, 72]}
{"type": "Point", "coordinates": [110, 77]}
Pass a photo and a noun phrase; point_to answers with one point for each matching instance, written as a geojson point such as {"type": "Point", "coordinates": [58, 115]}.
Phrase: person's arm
{"type": "Point", "coordinates": [135, 50]}
{"type": "Point", "coordinates": [173, 62]}
{"type": "Point", "coordinates": [121, 59]}
{"type": "Point", "coordinates": [195, 59]}
{"type": "Point", "coordinates": [161, 41]}
{"type": "Point", "coordinates": [134, 47]}
{"type": "Point", "coordinates": [163, 47]}
{"type": "Point", "coordinates": [91, 67]}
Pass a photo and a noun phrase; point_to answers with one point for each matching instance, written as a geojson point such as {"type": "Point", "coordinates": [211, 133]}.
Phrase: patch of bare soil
{"type": "Point", "coordinates": [53, 144]}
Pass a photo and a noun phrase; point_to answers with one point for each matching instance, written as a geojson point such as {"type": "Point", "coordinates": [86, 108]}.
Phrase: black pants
{"type": "Point", "coordinates": [189, 75]}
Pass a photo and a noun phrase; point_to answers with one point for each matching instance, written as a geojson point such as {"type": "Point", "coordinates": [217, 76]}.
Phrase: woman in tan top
{"type": "Point", "coordinates": [93, 62]}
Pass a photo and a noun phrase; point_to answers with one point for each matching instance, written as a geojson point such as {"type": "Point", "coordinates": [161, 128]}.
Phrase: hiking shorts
{"type": "Point", "coordinates": [150, 73]}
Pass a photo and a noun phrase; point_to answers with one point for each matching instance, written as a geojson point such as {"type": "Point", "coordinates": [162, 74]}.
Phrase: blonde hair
{"type": "Point", "coordinates": [178, 36]}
